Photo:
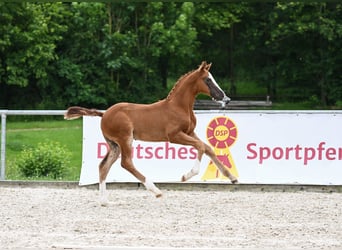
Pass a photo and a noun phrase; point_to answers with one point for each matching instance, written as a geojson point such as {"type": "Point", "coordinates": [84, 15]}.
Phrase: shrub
{"type": "Point", "coordinates": [48, 159]}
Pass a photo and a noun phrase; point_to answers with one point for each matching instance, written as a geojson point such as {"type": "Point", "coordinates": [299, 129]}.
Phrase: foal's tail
{"type": "Point", "coordinates": [76, 112]}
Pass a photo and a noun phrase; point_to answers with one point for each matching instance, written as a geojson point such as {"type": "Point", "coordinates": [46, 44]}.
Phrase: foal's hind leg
{"type": "Point", "coordinates": [104, 167]}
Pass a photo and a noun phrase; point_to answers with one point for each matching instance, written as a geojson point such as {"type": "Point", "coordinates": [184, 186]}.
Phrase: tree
{"type": "Point", "coordinates": [53, 55]}
{"type": "Point", "coordinates": [216, 24]}
{"type": "Point", "coordinates": [153, 36]}
{"type": "Point", "coordinates": [28, 35]}
{"type": "Point", "coordinates": [80, 75]}
{"type": "Point", "coordinates": [308, 33]}
{"type": "Point", "coordinates": [292, 49]}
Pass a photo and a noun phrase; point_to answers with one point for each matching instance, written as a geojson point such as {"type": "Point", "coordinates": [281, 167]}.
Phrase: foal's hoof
{"type": "Point", "coordinates": [235, 181]}
{"type": "Point", "coordinates": [183, 179]}
{"type": "Point", "coordinates": [159, 195]}
{"type": "Point", "coordinates": [104, 203]}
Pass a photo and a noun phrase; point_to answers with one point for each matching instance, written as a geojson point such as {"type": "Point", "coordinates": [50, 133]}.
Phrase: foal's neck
{"type": "Point", "coordinates": [179, 82]}
{"type": "Point", "coordinates": [183, 93]}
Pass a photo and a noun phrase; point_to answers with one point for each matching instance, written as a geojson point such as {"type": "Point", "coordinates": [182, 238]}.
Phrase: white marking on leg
{"type": "Point", "coordinates": [103, 193]}
{"type": "Point", "coordinates": [194, 171]}
{"type": "Point", "coordinates": [151, 187]}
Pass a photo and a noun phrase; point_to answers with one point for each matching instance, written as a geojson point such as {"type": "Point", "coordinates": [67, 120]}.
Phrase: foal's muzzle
{"type": "Point", "coordinates": [224, 101]}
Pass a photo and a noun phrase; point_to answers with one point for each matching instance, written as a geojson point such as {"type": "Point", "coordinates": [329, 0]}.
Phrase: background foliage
{"type": "Point", "coordinates": [46, 160]}
{"type": "Point", "coordinates": [53, 55]}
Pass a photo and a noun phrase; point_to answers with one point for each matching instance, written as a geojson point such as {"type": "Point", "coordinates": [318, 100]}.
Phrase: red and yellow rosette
{"type": "Point", "coordinates": [221, 135]}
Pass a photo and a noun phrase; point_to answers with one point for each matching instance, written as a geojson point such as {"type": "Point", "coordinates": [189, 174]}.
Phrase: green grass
{"type": "Point", "coordinates": [22, 135]}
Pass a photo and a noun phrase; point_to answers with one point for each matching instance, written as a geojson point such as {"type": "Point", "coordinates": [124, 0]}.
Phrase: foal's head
{"type": "Point", "coordinates": [207, 85]}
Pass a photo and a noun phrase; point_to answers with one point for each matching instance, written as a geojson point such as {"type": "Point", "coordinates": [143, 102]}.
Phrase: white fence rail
{"type": "Point", "coordinates": [4, 114]}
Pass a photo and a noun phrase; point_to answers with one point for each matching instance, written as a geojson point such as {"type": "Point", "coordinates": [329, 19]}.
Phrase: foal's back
{"type": "Point", "coordinates": [147, 122]}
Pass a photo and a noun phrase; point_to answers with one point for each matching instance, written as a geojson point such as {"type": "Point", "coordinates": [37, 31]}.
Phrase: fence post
{"type": "Point", "coordinates": [3, 146]}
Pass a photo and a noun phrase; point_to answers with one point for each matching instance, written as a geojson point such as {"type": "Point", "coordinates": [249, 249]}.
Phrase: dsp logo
{"type": "Point", "coordinates": [221, 135]}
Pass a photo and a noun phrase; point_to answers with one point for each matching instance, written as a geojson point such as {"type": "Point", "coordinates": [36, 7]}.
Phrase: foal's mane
{"type": "Point", "coordinates": [178, 83]}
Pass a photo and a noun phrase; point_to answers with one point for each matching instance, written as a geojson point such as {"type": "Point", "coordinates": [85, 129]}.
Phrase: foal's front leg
{"type": "Point", "coordinates": [194, 171]}
{"type": "Point", "coordinates": [190, 140]}
{"type": "Point", "coordinates": [225, 171]}
{"type": "Point", "coordinates": [204, 148]}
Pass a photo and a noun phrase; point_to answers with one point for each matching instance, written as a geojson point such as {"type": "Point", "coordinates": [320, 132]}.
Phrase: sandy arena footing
{"type": "Point", "coordinates": [72, 218]}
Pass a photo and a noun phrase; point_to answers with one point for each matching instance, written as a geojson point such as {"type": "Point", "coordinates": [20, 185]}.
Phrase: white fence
{"type": "Point", "coordinates": [4, 114]}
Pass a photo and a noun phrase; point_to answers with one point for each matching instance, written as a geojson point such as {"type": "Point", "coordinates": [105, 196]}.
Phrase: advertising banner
{"type": "Point", "coordinates": [258, 147]}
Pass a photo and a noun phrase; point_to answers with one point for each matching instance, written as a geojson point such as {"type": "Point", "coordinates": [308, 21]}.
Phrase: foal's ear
{"type": "Point", "coordinates": [204, 66]}
{"type": "Point", "coordinates": [208, 66]}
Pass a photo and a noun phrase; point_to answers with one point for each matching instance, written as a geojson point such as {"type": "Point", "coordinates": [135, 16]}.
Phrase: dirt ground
{"type": "Point", "coordinates": [57, 218]}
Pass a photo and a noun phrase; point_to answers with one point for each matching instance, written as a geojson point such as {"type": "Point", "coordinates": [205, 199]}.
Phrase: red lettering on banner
{"type": "Point", "coordinates": [251, 150]}
{"type": "Point", "coordinates": [320, 149]}
{"type": "Point", "coordinates": [148, 152]}
{"type": "Point", "coordinates": [138, 149]}
{"type": "Point", "coordinates": [265, 153]}
{"type": "Point", "coordinates": [306, 154]}
{"type": "Point", "coordinates": [309, 154]}
{"type": "Point", "coordinates": [156, 153]}
{"type": "Point", "coordinates": [167, 151]}
{"type": "Point", "coordinates": [277, 153]}
{"type": "Point", "coordinates": [298, 149]}
{"type": "Point", "coordinates": [288, 152]}
{"type": "Point", "coordinates": [331, 153]}
{"type": "Point", "coordinates": [182, 153]}
{"type": "Point", "coordinates": [193, 153]}
{"type": "Point", "coordinates": [102, 149]}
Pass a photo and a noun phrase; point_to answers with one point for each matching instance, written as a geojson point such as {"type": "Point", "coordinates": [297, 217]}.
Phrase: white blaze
{"type": "Point", "coordinates": [225, 98]}
{"type": "Point", "coordinates": [213, 80]}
